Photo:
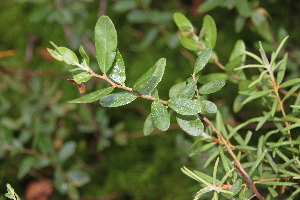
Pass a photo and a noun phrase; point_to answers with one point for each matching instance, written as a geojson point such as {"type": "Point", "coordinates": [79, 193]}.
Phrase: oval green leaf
{"type": "Point", "coordinates": [93, 96]}
{"type": "Point", "coordinates": [68, 56]}
{"type": "Point", "coordinates": [106, 43]}
{"type": "Point", "coordinates": [82, 77]}
{"type": "Point", "coordinates": [118, 99]}
{"type": "Point", "coordinates": [117, 72]}
{"type": "Point", "coordinates": [148, 125]}
{"type": "Point", "coordinates": [78, 177]}
{"type": "Point", "coordinates": [239, 46]}
{"type": "Point", "coordinates": [210, 37]}
{"type": "Point", "coordinates": [188, 91]}
{"type": "Point", "coordinates": [212, 87]}
{"type": "Point", "coordinates": [176, 89]}
{"type": "Point", "coordinates": [189, 43]}
{"type": "Point", "coordinates": [148, 81]}
{"type": "Point", "coordinates": [191, 124]}
{"type": "Point", "coordinates": [209, 106]}
{"type": "Point", "coordinates": [208, 5]}
{"type": "Point", "coordinates": [183, 23]}
{"type": "Point", "coordinates": [160, 115]}
{"type": "Point", "coordinates": [202, 60]}
{"type": "Point", "coordinates": [185, 106]}
{"type": "Point", "coordinates": [86, 60]}
{"type": "Point", "coordinates": [66, 151]}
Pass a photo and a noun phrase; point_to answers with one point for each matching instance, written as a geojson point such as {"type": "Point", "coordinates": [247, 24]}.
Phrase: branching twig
{"type": "Point", "coordinates": [236, 162]}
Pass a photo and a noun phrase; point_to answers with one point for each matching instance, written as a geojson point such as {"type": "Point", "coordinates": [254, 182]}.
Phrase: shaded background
{"type": "Point", "coordinates": [105, 154]}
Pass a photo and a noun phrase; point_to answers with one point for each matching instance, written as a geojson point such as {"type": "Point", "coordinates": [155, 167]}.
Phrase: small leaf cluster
{"type": "Point", "coordinates": [11, 194]}
{"type": "Point", "coordinates": [268, 87]}
{"type": "Point", "coordinates": [185, 97]}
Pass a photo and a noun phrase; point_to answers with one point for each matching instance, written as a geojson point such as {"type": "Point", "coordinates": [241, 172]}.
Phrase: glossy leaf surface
{"type": "Point", "coordinates": [148, 82]}
{"type": "Point", "coordinates": [185, 106]}
{"type": "Point", "coordinates": [189, 42]}
{"type": "Point", "coordinates": [82, 77]}
{"type": "Point", "coordinates": [202, 60]}
{"type": "Point", "coordinates": [209, 106]}
{"type": "Point", "coordinates": [106, 43]}
{"type": "Point", "coordinates": [117, 72]}
{"type": "Point", "coordinates": [118, 99]}
{"type": "Point", "coordinates": [148, 125]}
{"type": "Point", "coordinates": [176, 89]}
{"type": "Point", "coordinates": [210, 37]}
{"type": "Point", "coordinates": [191, 124]}
{"type": "Point", "coordinates": [160, 115]}
{"type": "Point", "coordinates": [183, 23]}
{"type": "Point", "coordinates": [93, 96]}
{"type": "Point", "coordinates": [212, 87]}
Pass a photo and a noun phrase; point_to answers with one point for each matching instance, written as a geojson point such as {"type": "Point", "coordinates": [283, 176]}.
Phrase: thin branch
{"type": "Point", "coordinates": [237, 163]}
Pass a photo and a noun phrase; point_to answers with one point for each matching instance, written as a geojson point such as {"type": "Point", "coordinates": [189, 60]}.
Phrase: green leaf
{"type": "Point", "coordinates": [233, 63]}
{"type": "Point", "coordinates": [277, 183]}
{"type": "Point", "coordinates": [257, 18]}
{"type": "Point", "coordinates": [185, 106]}
{"type": "Point", "coordinates": [209, 5]}
{"type": "Point", "coordinates": [183, 23]}
{"type": "Point", "coordinates": [55, 54]}
{"type": "Point", "coordinates": [188, 91]}
{"type": "Point", "coordinates": [117, 72]}
{"type": "Point", "coordinates": [64, 54]}
{"type": "Point", "coordinates": [148, 81]}
{"type": "Point", "coordinates": [210, 37]}
{"type": "Point", "coordinates": [66, 151]}
{"type": "Point", "coordinates": [191, 124]}
{"type": "Point", "coordinates": [118, 99]}
{"type": "Point", "coordinates": [239, 23]}
{"type": "Point", "coordinates": [125, 6]}
{"type": "Point", "coordinates": [73, 192]}
{"type": "Point", "coordinates": [189, 42]}
{"type": "Point", "coordinates": [236, 52]}
{"type": "Point", "coordinates": [106, 43]}
{"type": "Point", "coordinates": [255, 95]}
{"type": "Point", "coordinates": [267, 116]}
{"type": "Point", "coordinates": [93, 96]}
{"type": "Point", "coordinates": [290, 82]}
{"type": "Point", "coordinates": [148, 125]}
{"type": "Point", "coordinates": [257, 162]}
{"type": "Point", "coordinates": [212, 87]}
{"type": "Point", "coordinates": [82, 77]}
{"type": "Point", "coordinates": [284, 143]}
{"type": "Point", "coordinates": [11, 193]}
{"type": "Point", "coordinates": [202, 60]}
{"type": "Point", "coordinates": [274, 56]}
{"type": "Point", "coordinates": [138, 16]}
{"type": "Point", "coordinates": [86, 60]}
{"type": "Point", "coordinates": [176, 89]}
{"type": "Point", "coordinates": [209, 106]}
{"type": "Point", "coordinates": [211, 77]}
{"type": "Point", "coordinates": [237, 57]}
{"type": "Point", "coordinates": [198, 176]}
{"type": "Point", "coordinates": [68, 56]}
{"type": "Point", "coordinates": [26, 165]}
{"type": "Point", "coordinates": [294, 194]}
{"type": "Point", "coordinates": [78, 177]}
{"type": "Point", "coordinates": [160, 115]}
{"type": "Point", "coordinates": [243, 7]}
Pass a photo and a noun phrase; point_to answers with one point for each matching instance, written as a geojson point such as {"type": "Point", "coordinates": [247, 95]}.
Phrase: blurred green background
{"type": "Point", "coordinates": [89, 152]}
